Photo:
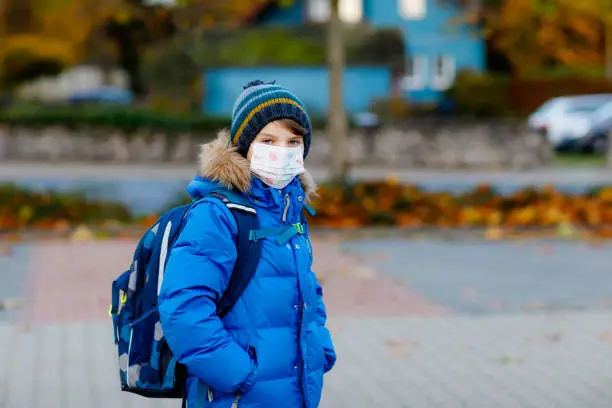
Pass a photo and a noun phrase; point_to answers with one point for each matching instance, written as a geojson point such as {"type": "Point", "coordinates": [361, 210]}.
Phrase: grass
{"type": "Point", "coordinates": [578, 160]}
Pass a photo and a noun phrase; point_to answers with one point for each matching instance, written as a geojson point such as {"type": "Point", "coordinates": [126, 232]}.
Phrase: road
{"type": "Point", "coordinates": [556, 176]}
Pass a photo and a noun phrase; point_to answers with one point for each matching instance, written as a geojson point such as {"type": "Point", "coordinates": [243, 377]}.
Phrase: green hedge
{"type": "Point", "coordinates": [481, 95]}
{"type": "Point", "coordinates": [124, 118]}
{"type": "Point", "coordinates": [118, 117]}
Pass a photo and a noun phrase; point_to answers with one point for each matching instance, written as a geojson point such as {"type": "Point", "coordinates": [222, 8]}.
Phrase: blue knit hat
{"type": "Point", "coordinates": [261, 103]}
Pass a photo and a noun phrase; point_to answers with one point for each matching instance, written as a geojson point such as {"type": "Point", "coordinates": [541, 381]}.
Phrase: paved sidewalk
{"type": "Point", "coordinates": [416, 362]}
{"type": "Point", "coordinates": [396, 348]}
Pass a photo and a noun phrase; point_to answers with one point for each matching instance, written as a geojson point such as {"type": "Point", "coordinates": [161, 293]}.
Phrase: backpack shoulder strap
{"type": "Point", "coordinates": [161, 239]}
{"type": "Point", "coordinates": [249, 251]}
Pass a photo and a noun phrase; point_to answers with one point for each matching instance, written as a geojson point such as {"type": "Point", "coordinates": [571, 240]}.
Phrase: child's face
{"type": "Point", "coordinates": [276, 134]}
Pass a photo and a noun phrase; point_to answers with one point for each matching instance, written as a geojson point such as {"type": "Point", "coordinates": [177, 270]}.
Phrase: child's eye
{"type": "Point", "coordinates": [296, 142]}
{"type": "Point", "coordinates": [267, 141]}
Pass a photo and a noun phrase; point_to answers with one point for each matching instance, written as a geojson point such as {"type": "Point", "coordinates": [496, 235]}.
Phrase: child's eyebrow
{"type": "Point", "coordinates": [268, 135]}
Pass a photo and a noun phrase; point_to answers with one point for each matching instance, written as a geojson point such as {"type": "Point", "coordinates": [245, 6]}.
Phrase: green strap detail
{"type": "Point", "coordinates": [285, 233]}
{"type": "Point", "coordinates": [292, 231]}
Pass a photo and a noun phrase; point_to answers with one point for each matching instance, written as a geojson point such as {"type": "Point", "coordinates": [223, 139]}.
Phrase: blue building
{"type": "Point", "coordinates": [437, 47]}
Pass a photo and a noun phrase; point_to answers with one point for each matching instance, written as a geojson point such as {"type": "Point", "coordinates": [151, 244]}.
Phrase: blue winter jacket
{"type": "Point", "coordinates": [272, 349]}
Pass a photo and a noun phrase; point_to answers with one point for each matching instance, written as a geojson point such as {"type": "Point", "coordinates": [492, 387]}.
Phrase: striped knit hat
{"type": "Point", "coordinates": [261, 103]}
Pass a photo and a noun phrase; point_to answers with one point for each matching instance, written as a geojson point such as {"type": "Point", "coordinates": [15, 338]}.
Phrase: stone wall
{"type": "Point", "coordinates": [412, 145]}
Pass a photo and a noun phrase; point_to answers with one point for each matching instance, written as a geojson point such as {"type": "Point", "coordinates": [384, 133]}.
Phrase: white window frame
{"type": "Point", "coordinates": [417, 79]}
{"type": "Point", "coordinates": [161, 3]}
{"type": "Point", "coordinates": [444, 72]}
{"type": "Point", "coordinates": [412, 9]}
{"type": "Point", "coordinates": [351, 11]}
{"type": "Point", "coordinates": [318, 11]}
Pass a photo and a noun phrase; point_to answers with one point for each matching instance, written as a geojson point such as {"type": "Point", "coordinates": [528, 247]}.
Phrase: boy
{"type": "Point", "coordinates": [272, 349]}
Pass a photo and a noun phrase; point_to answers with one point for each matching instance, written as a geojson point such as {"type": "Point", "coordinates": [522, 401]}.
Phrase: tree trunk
{"type": "Point", "coordinates": [337, 127]}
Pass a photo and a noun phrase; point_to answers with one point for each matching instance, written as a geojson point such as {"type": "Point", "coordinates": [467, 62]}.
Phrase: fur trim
{"type": "Point", "coordinates": [309, 185]}
{"type": "Point", "coordinates": [219, 161]}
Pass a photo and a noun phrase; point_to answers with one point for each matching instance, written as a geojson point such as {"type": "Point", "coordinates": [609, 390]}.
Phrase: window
{"type": "Point", "coordinates": [444, 72]}
{"type": "Point", "coordinates": [412, 9]}
{"type": "Point", "coordinates": [603, 112]}
{"type": "Point", "coordinates": [160, 3]}
{"type": "Point", "coordinates": [319, 11]}
{"type": "Point", "coordinates": [548, 106]}
{"type": "Point", "coordinates": [416, 74]}
{"type": "Point", "coordinates": [351, 11]}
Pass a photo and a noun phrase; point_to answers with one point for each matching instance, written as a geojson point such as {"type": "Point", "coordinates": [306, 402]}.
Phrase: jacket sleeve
{"type": "Point", "coordinates": [196, 275]}
{"type": "Point", "coordinates": [325, 335]}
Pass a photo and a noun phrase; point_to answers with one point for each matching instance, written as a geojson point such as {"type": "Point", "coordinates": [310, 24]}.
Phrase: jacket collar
{"type": "Point", "coordinates": [220, 162]}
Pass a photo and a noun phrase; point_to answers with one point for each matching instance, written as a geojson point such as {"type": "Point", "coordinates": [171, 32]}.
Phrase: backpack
{"type": "Point", "coordinates": [146, 364]}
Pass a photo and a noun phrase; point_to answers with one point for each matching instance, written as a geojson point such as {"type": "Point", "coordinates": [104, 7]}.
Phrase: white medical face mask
{"type": "Point", "coordinates": [277, 166]}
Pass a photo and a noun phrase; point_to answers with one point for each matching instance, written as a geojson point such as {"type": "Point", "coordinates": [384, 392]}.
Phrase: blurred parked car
{"type": "Point", "coordinates": [565, 120]}
{"type": "Point", "coordinates": [594, 139]}
{"type": "Point", "coordinates": [104, 94]}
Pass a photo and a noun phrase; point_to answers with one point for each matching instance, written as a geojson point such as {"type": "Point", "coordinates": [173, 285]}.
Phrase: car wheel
{"type": "Point", "coordinates": [599, 144]}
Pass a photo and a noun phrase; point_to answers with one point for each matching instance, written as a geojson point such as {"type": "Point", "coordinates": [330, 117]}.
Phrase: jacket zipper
{"type": "Point", "coordinates": [286, 210]}
{"type": "Point", "coordinates": [301, 368]}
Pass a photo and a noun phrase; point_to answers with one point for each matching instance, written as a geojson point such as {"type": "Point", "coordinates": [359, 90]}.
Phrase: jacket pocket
{"type": "Point", "coordinates": [248, 383]}
{"type": "Point", "coordinates": [215, 398]}
{"type": "Point", "coordinates": [318, 350]}
{"type": "Point", "coordinates": [227, 401]}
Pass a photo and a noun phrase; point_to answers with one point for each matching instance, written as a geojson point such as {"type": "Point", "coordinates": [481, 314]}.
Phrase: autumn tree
{"type": "Point", "coordinates": [43, 36]}
{"type": "Point", "coordinates": [534, 34]}
{"type": "Point", "coordinates": [142, 22]}
{"type": "Point", "coordinates": [131, 28]}
{"type": "Point", "coordinates": [601, 11]}
{"type": "Point", "coordinates": [24, 54]}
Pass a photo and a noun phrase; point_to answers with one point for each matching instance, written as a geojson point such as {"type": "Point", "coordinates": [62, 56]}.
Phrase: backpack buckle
{"type": "Point", "coordinates": [299, 228]}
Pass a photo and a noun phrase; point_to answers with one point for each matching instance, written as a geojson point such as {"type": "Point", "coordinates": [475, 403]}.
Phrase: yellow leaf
{"type": "Point", "coordinates": [566, 230]}
{"type": "Point", "coordinates": [493, 234]}
{"type": "Point", "coordinates": [122, 16]}
{"type": "Point", "coordinates": [82, 234]}
{"type": "Point", "coordinates": [392, 179]}
{"type": "Point", "coordinates": [25, 213]}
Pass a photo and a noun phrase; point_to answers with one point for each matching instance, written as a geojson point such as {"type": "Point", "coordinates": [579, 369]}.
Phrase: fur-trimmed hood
{"type": "Point", "coordinates": [220, 162]}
